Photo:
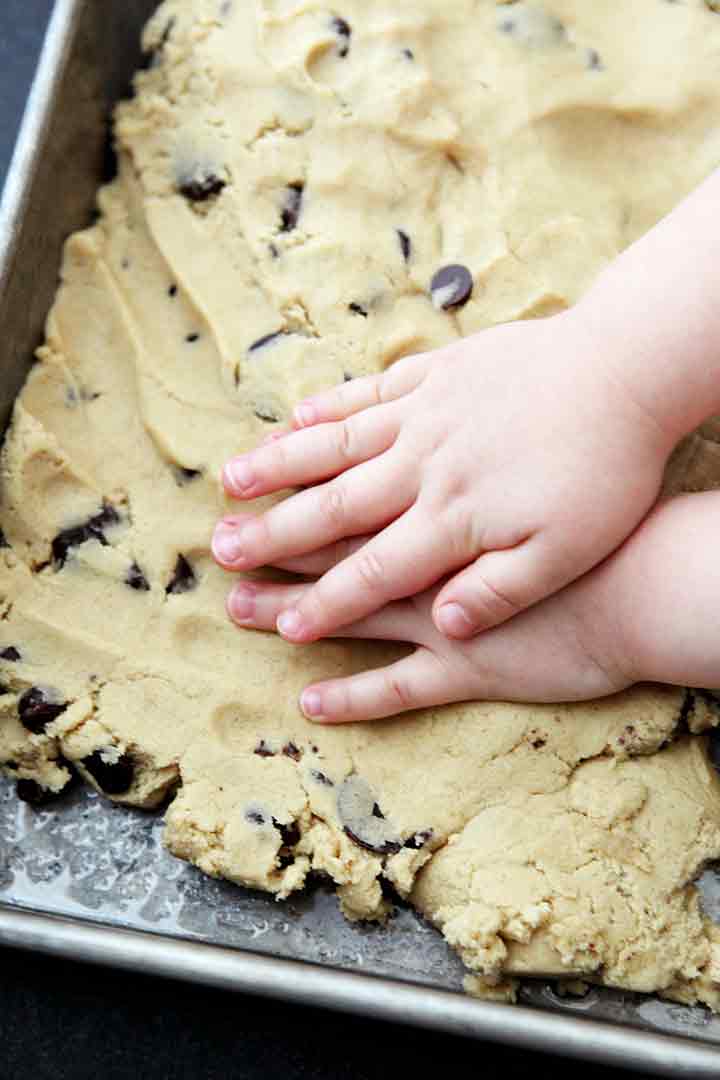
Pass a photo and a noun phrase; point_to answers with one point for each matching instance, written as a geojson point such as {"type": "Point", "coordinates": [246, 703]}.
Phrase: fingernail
{"type": "Point", "coordinates": [238, 476]}
{"type": "Point", "coordinates": [226, 543]}
{"type": "Point", "coordinates": [311, 704]}
{"type": "Point", "coordinates": [241, 604]}
{"type": "Point", "coordinates": [305, 413]}
{"type": "Point", "coordinates": [454, 620]}
{"type": "Point", "coordinates": [290, 623]}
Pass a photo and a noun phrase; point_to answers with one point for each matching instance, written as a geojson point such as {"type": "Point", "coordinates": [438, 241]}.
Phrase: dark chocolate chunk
{"type": "Point", "coordinates": [358, 309]}
{"type": "Point", "coordinates": [263, 750]}
{"type": "Point", "coordinates": [3, 540]}
{"type": "Point", "coordinates": [451, 286]}
{"type": "Point", "coordinates": [382, 847]}
{"type": "Point", "coordinates": [183, 579]}
{"type": "Point", "coordinates": [377, 812]}
{"type": "Point", "coordinates": [418, 839]}
{"type": "Point", "coordinates": [405, 244]}
{"type": "Point", "coordinates": [36, 710]}
{"type": "Point", "coordinates": [537, 744]}
{"type": "Point", "coordinates": [266, 415]}
{"type": "Point", "coordinates": [344, 32]}
{"type": "Point", "coordinates": [116, 777]}
{"type": "Point", "coordinates": [200, 188]}
{"type": "Point", "coordinates": [136, 579]}
{"type": "Point", "coordinates": [265, 340]}
{"type": "Point", "coordinates": [192, 338]}
{"type": "Point", "coordinates": [292, 751]}
{"type": "Point", "coordinates": [292, 207]}
{"type": "Point", "coordinates": [9, 765]}
{"type": "Point", "coordinates": [408, 54]}
{"type": "Point", "coordinates": [76, 535]}
{"type": "Point", "coordinates": [347, 377]}
{"type": "Point", "coordinates": [29, 791]}
{"type": "Point", "coordinates": [255, 817]}
{"type": "Point", "coordinates": [4, 689]}
{"type": "Point", "coordinates": [321, 778]}
{"type": "Point", "coordinates": [172, 291]}
{"type": "Point", "coordinates": [10, 653]}
{"type": "Point", "coordinates": [185, 476]}
{"type": "Point", "coordinates": [714, 748]}
{"type": "Point", "coordinates": [289, 834]}
{"type": "Point", "coordinates": [594, 62]}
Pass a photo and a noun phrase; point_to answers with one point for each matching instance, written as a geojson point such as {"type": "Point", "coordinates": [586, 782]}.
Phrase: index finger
{"type": "Point", "coordinates": [362, 393]}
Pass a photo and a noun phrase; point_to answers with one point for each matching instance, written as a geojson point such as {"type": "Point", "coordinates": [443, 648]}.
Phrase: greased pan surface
{"type": "Point", "coordinates": [91, 881]}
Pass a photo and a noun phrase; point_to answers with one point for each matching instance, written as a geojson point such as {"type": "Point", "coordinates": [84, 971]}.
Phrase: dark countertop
{"type": "Point", "coordinates": [60, 1020]}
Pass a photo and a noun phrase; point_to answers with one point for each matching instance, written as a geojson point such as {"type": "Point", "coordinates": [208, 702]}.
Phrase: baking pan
{"type": "Point", "coordinates": [90, 881]}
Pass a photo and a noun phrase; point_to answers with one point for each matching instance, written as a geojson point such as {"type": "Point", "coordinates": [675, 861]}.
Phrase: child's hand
{"type": "Point", "coordinates": [566, 648]}
{"type": "Point", "coordinates": [648, 613]}
{"type": "Point", "coordinates": [517, 456]}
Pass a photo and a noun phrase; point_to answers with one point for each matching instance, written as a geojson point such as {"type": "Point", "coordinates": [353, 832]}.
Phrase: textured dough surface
{"type": "Point", "coordinates": [290, 178]}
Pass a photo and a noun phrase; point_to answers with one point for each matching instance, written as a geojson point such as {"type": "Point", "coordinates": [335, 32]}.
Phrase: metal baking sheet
{"type": "Point", "coordinates": [92, 881]}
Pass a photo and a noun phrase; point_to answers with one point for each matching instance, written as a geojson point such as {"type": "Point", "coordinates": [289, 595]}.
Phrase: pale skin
{"type": "Point", "coordinates": [487, 476]}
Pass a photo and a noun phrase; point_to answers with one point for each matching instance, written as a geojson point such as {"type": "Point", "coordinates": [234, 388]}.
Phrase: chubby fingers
{"type": "Point", "coordinates": [290, 459]}
{"type": "Point", "coordinates": [405, 558]}
{"type": "Point", "coordinates": [365, 497]}
{"type": "Point", "coordinates": [416, 681]}
{"type": "Point", "coordinates": [362, 393]}
{"type": "Point", "coordinates": [499, 585]}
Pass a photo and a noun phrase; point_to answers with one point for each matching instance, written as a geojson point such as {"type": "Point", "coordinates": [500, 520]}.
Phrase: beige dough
{"type": "Point", "coordinates": [291, 178]}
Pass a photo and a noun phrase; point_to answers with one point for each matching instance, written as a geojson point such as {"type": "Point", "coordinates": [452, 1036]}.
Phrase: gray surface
{"type": "Point", "coordinates": [21, 26]}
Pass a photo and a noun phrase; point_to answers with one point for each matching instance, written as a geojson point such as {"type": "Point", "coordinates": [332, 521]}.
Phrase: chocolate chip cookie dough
{"type": "Point", "coordinates": [306, 193]}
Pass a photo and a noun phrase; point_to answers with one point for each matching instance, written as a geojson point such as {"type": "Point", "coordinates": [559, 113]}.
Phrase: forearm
{"type": "Point", "coordinates": [657, 599]}
{"type": "Point", "coordinates": [657, 308]}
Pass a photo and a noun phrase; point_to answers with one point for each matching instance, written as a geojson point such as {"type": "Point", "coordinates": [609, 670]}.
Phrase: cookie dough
{"type": "Point", "coordinates": [305, 194]}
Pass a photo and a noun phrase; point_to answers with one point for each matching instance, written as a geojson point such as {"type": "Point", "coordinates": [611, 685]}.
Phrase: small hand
{"type": "Point", "coordinates": [563, 649]}
{"type": "Point", "coordinates": [516, 457]}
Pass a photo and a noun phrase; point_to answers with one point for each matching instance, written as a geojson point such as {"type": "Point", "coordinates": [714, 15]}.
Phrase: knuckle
{"type": "Point", "coordinates": [397, 690]}
{"type": "Point", "coordinates": [331, 505]}
{"type": "Point", "coordinates": [489, 601]}
{"type": "Point", "coordinates": [344, 440]}
{"type": "Point", "coordinates": [370, 570]}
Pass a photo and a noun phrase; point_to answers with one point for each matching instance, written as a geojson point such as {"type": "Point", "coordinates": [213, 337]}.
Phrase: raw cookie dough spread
{"type": "Point", "coordinates": [292, 178]}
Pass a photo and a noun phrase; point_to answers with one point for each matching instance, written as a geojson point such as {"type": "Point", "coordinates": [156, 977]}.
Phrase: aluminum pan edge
{"type": "Point", "coordinates": [309, 984]}
{"type": "Point", "coordinates": [27, 217]}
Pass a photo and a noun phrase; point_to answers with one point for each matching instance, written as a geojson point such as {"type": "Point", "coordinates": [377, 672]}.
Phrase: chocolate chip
{"type": "Point", "coordinates": [344, 32]}
{"type": "Point", "coordinates": [321, 778]}
{"type": "Point", "coordinates": [4, 689]}
{"type": "Point", "coordinates": [201, 187]}
{"type": "Point", "coordinates": [10, 653]}
{"type": "Point", "coordinates": [266, 414]}
{"type": "Point", "coordinates": [292, 207]}
{"type": "Point", "coordinates": [289, 834]}
{"type": "Point", "coordinates": [405, 244]}
{"type": "Point", "coordinates": [263, 750]}
{"type": "Point", "coordinates": [714, 748]}
{"type": "Point", "coordinates": [292, 751]}
{"type": "Point", "coordinates": [29, 791]}
{"type": "Point", "coordinates": [408, 54]}
{"type": "Point", "coordinates": [594, 61]}
{"type": "Point", "coordinates": [10, 765]}
{"type": "Point", "coordinates": [136, 579]}
{"type": "Point", "coordinates": [418, 839]}
{"type": "Point", "coordinates": [451, 286]}
{"type": "Point", "coordinates": [172, 291]}
{"type": "Point", "coordinates": [273, 251]}
{"type": "Point", "coordinates": [3, 540]}
{"type": "Point", "coordinates": [183, 579]}
{"type": "Point", "coordinates": [76, 535]}
{"type": "Point", "coordinates": [185, 476]}
{"type": "Point", "coordinates": [114, 777]}
{"type": "Point", "coordinates": [537, 744]}
{"type": "Point", "coordinates": [255, 817]}
{"type": "Point", "coordinates": [362, 819]}
{"type": "Point", "coordinates": [36, 710]}
{"type": "Point", "coordinates": [358, 309]}
{"type": "Point", "coordinates": [192, 338]}
{"type": "Point", "coordinates": [266, 339]}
